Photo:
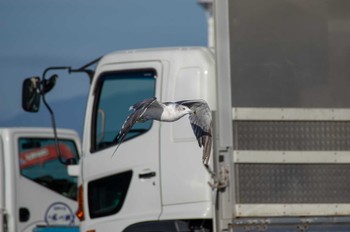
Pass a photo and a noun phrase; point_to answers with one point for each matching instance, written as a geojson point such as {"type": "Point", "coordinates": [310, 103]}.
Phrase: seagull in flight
{"type": "Point", "coordinates": [151, 109]}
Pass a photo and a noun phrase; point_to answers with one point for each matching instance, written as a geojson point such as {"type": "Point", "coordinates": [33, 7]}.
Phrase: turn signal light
{"type": "Point", "coordinates": [80, 211]}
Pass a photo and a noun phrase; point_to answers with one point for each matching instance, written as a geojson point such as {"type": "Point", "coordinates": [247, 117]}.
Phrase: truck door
{"type": "Point", "coordinates": [179, 143]}
{"type": "Point", "coordinates": [122, 187]}
{"type": "Point", "coordinates": [2, 191]}
{"type": "Point", "coordinates": [46, 194]}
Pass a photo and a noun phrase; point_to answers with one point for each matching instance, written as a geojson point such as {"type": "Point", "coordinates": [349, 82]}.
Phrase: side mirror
{"type": "Point", "coordinates": [73, 170]}
{"type": "Point", "coordinates": [31, 94]}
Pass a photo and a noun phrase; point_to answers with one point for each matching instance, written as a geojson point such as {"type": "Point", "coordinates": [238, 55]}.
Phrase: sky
{"type": "Point", "coordinates": [36, 34]}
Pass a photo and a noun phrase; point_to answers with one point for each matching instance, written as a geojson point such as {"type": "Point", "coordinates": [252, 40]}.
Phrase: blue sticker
{"type": "Point", "coordinates": [59, 213]}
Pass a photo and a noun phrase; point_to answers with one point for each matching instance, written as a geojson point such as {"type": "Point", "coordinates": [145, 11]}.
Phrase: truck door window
{"type": "Point", "coordinates": [40, 163]}
{"type": "Point", "coordinates": [115, 93]}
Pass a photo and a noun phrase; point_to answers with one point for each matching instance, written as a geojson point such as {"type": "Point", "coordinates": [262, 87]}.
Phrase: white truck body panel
{"type": "Point", "coordinates": [299, 157]}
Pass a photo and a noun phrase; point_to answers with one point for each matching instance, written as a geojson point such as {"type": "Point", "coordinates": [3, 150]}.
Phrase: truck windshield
{"type": "Point", "coordinates": [116, 92]}
{"type": "Point", "coordinates": [40, 163]}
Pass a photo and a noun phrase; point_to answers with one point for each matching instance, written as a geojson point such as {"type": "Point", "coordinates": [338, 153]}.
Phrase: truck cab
{"type": "Point", "coordinates": [157, 173]}
{"type": "Point", "coordinates": [35, 188]}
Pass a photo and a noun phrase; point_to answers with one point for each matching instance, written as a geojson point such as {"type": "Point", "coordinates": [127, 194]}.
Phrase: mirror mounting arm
{"type": "Point", "coordinates": [84, 69]}
{"type": "Point", "coordinates": [52, 115]}
{"type": "Point", "coordinates": [33, 89]}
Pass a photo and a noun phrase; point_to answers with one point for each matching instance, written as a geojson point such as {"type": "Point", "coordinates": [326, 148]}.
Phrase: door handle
{"type": "Point", "coordinates": [147, 175]}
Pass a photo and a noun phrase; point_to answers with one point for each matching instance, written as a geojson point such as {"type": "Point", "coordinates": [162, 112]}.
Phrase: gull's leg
{"type": "Point", "coordinates": [221, 181]}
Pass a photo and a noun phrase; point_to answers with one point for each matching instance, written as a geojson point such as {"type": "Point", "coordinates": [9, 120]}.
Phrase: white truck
{"type": "Point", "coordinates": [277, 86]}
{"type": "Point", "coordinates": [36, 192]}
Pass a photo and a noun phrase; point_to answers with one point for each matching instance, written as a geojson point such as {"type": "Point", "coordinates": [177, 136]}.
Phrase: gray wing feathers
{"type": "Point", "coordinates": [143, 103]}
{"type": "Point", "coordinates": [201, 123]}
{"type": "Point", "coordinates": [139, 109]}
{"type": "Point", "coordinates": [154, 111]}
{"type": "Point", "coordinates": [200, 119]}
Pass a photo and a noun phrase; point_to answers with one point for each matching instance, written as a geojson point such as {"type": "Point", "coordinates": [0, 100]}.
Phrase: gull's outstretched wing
{"type": "Point", "coordinates": [201, 122]}
{"type": "Point", "coordinates": [139, 109]}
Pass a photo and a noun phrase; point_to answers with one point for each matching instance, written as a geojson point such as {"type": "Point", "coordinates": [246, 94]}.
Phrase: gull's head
{"type": "Point", "coordinates": [183, 110]}
{"type": "Point", "coordinates": [173, 111]}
